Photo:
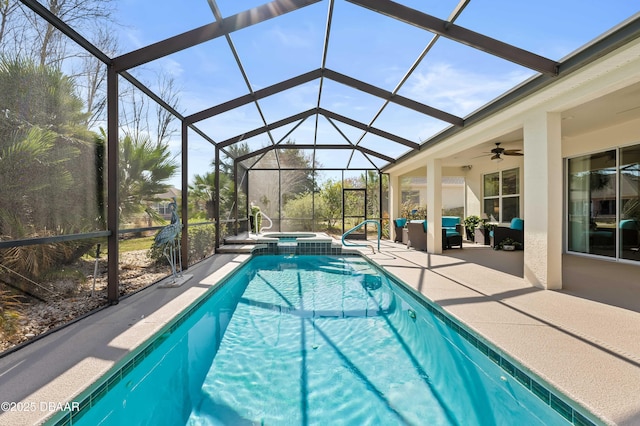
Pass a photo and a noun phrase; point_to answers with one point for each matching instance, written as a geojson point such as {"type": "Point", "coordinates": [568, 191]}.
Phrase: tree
{"type": "Point", "coordinates": [145, 168]}
{"type": "Point", "coordinates": [46, 151]}
{"type": "Point", "coordinates": [202, 191]}
{"type": "Point", "coordinates": [48, 169]}
{"type": "Point", "coordinates": [300, 207]}
{"type": "Point", "coordinates": [201, 196]}
{"type": "Point", "coordinates": [92, 77]}
{"type": "Point", "coordinates": [300, 178]}
{"type": "Point", "coordinates": [50, 46]}
{"type": "Point", "coordinates": [330, 208]}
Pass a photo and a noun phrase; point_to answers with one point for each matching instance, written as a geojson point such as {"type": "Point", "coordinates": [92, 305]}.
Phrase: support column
{"type": "Point", "coordinates": [113, 219]}
{"type": "Point", "coordinates": [434, 205]}
{"type": "Point", "coordinates": [184, 239]}
{"type": "Point", "coordinates": [543, 200]}
{"type": "Point", "coordinates": [235, 197]}
{"type": "Point", "coordinates": [216, 200]}
{"type": "Point", "coordinates": [394, 202]}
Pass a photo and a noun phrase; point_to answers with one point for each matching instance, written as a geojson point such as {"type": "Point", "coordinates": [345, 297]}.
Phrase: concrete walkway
{"type": "Point", "coordinates": [588, 350]}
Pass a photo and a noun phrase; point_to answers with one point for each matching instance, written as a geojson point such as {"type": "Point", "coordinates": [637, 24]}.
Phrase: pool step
{"type": "Point", "coordinates": [236, 248]}
{"type": "Point", "coordinates": [239, 240]}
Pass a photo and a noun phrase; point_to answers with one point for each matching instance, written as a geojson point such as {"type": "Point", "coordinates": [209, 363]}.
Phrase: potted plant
{"type": "Point", "coordinates": [470, 225]}
{"type": "Point", "coordinates": [509, 244]}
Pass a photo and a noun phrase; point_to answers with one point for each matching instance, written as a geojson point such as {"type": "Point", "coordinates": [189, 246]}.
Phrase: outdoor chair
{"type": "Point", "coordinates": [398, 225]}
{"type": "Point", "coordinates": [451, 232]}
{"type": "Point", "coordinates": [515, 231]}
{"type": "Point", "coordinates": [417, 234]}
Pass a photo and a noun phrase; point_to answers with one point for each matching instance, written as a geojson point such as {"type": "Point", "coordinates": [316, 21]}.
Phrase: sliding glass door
{"type": "Point", "coordinates": [603, 203]}
{"type": "Point", "coordinates": [630, 202]}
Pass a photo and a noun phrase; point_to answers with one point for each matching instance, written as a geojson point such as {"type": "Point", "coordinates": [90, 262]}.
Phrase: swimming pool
{"type": "Point", "coordinates": [319, 340]}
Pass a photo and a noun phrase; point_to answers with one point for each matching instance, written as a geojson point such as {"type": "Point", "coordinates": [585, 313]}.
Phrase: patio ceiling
{"type": "Point", "coordinates": [355, 83]}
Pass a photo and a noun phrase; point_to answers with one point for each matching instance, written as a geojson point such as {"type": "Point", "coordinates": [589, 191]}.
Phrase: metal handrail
{"type": "Point", "coordinates": [360, 225]}
{"type": "Point", "coordinates": [259, 212]}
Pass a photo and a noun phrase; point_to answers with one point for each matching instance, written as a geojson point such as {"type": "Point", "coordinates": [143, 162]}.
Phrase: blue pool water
{"type": "Point", "coordinates": [298, 340]}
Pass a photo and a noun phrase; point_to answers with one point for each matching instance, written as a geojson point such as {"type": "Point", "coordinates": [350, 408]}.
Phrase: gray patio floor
{"type": "Point", "coordinates": [587, 349]}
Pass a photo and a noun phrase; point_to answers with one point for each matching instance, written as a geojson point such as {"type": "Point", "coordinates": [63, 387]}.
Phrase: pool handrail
{"type": "Point", "coordinates": [260, 212]}
{"type": "Point", "coordinates": [360, 225]}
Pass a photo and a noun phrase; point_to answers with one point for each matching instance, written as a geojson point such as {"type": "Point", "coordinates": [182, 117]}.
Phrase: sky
{"type": "Point", "coordinates": [364, 45]}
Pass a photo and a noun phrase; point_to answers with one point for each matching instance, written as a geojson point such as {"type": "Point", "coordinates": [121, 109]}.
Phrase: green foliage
{"type": "Point", "coordinates": [201, 241]}
{"type": "Point", "coordinates": [412, 211]}
{"type": "Point", "coordinates": [9, 314]}
{"type": "Point", "coordinates": [508, 242]}
{"type": "Point", "coordinates": [145, 168]}
{"type": "Point", "coordinates": [202, 196]}
{"type": "Point", "coordinates": [25, 266]}
{"type": "Point", "coordinates": [472, 222]}
{"type": "Point", "coordinates": [330, 207]}
{"type": "Point", "coordinates": [134, 244]}
{"type": "Point", "coordinates": [454, 211]}
{"type": "Point", "coordinates": [40, 96]}
{"type": "Point", "coordinates": [300, 207]}
{"type": "Point", "coordinates": [201, 244]}
{"type": "Point", "coordinates": [48, 169]}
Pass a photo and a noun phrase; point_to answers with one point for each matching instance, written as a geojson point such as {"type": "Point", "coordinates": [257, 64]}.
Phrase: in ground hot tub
{"type": "Point", "coordinates": [297, 243]}
{"type": "Point", "coordinates": [291, 236]}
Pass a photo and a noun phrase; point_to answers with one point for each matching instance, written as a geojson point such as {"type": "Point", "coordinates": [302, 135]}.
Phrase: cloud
{"type": "Point", "coordinates": [293, 39]}
{"type": "Point", "coordinates": [459, 91]}
{"type": "Point", "coordinates": [171, 67]}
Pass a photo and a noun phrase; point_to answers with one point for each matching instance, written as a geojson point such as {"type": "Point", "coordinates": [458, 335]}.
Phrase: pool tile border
{"type": "Point", "coordinates": [318, 248]}
{"type": "Point", "coordinates": [99, 389]}
{"type": "Point", "coordinates": [572, 414]}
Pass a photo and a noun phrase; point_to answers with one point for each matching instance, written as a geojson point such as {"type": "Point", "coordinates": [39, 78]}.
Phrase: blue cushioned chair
{"type": "Point", "coordinates": [451, 232]}
{"type": "Point", "coordinates": [515, 231]}
{"type": "Point", "coordinates": [398, 224]}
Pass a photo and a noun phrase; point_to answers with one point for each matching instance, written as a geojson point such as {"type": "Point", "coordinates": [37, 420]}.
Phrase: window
{"type": "Point", "coordinates": [604, 203]}
{"type": "Point", "coordinates": [501, 192]}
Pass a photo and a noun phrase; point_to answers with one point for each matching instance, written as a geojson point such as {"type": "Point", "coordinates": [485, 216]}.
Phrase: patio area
{"type": "Point", "coordinates": [565, 337]}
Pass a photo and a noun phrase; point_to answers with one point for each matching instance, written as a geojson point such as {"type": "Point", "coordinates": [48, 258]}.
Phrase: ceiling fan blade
{"type": "Point", "coordinates": [495, 157]}
{"type": "Point", "coordinates": [512, 152]}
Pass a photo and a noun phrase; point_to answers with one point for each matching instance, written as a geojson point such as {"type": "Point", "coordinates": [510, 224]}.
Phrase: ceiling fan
{"type": "Point", "coordinates": [497, 152]}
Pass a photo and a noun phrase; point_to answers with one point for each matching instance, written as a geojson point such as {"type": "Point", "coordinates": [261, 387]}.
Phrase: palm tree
{"type": "Point", "coordinates": [48, 168]}
{"type": "Point", "coordinates": [46, 150]}
{"type": "Point", "coordinates": [145, 168]}
{"type": "Point", "coordinates": [202, 193]}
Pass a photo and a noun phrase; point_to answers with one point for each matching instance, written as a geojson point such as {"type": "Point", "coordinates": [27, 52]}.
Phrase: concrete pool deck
{"type": "Point", "coordinates": [588, 350]}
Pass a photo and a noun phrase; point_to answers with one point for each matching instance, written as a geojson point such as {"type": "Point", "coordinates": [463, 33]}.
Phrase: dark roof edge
{"type": "Point", "coordinates": [608, 42]}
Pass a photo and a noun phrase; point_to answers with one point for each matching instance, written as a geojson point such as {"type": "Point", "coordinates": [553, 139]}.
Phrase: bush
{"type": "Point", "coordinates": [412, 211]}
{"type": "Point", "coordinates": [9, 315]}
{"type": "Point", "coordinates": [202, 240]}
{"type": "Point", "coordinates": [25, 266]}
